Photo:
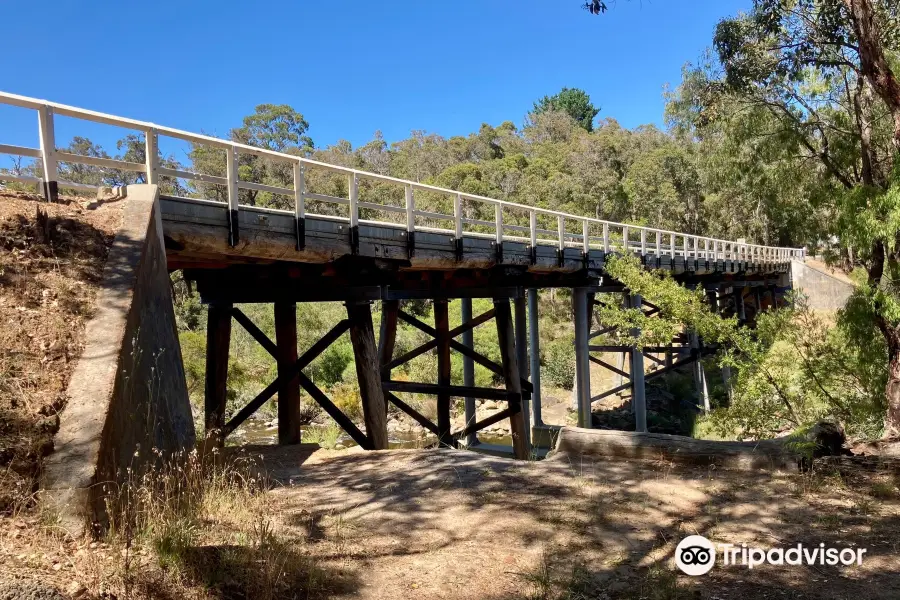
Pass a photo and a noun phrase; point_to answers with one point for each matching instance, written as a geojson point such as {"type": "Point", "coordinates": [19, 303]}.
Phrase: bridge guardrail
{"type": "Point", "coordinates": [545, 227]}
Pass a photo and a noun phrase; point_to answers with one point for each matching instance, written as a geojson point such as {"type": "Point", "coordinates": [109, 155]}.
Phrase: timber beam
{"type": "Point", "coordinates": [290, 376]}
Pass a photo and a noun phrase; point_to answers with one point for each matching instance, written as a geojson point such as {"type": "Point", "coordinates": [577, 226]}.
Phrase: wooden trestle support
{"type": "Point", "coordinates": [686, 348]}
{"type": "Point", "coordinates": [360, 284]}
{"type": "Point", "coordinates": [374, 363]}
{"type": "Point", "coordinates": [290, 374]}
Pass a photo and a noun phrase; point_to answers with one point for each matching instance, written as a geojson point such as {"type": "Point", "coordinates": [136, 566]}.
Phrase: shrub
{"type": "Point", "coordinates": [345, 396]}
{"type": "Point", "coordinates": [559, 363]}
{"type": "Point", "coordinates": [329, 368]}
{"type": "Point", "coordinates": [327, 437]}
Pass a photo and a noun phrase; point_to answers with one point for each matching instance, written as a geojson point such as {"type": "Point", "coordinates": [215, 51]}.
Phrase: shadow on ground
{"type": "Point", "coordinates": [433, 524]}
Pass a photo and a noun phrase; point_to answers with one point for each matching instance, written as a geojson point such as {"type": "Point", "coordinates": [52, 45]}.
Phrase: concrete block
{"type": "Point", "coordinates": [127, 395]}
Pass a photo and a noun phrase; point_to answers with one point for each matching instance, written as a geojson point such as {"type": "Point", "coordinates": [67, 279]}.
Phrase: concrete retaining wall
{"type": "Point", "coordinates": [127, 395]}
{"type": "Point", "coordinates": [824, 291]}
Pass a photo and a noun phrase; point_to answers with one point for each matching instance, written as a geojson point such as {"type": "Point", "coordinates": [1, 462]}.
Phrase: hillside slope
{"type": "Point", "coordinates": [51, 259]}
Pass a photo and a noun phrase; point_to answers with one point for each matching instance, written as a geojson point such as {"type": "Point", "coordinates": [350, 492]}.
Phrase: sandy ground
{"type": "Point", "coordinates": [455, 524]}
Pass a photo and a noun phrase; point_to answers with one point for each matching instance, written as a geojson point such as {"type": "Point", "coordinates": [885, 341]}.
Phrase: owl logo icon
{"type": "Point", "coordinates": [695, 555]}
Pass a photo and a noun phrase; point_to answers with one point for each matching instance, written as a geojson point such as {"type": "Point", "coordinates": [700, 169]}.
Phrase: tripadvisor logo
{"type": "Point", "coordinates": [696, 555]}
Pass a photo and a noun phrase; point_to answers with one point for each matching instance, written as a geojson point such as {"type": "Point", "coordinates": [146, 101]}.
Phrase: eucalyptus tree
{"type": "Point", "coordinates": [822, 66]}
{"type": "Point", "coordinates": [276, 127]}
{"type": "Point", "coordinates": [574, 102]}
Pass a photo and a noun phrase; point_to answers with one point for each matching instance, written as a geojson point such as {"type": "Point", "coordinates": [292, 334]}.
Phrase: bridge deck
{"type": "Point", "coordinates": [197, 236]}
{"type": "Point", "coordinates": [484, 232]}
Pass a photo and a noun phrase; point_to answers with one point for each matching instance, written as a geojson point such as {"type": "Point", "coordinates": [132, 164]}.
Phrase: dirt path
{"type": "Point", "coordinates": [452, 524]}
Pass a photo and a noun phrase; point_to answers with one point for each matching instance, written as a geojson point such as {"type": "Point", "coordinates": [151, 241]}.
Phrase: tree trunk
{"type": "Point", "coordinates": [874, 65]}
{"type": "Point", "coordinates": [862, 106]}
{"type": "Point", "coordinates": [892, 390]}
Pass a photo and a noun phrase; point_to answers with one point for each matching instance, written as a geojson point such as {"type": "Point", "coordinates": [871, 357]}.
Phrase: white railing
{"type": "Point", "coordinates": [589, 233]}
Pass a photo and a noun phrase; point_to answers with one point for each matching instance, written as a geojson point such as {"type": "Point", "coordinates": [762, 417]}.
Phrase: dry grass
{"type": "Point", "coordinates": [51, 260]}
{"type": "Point", "coordinates": [191, 528]}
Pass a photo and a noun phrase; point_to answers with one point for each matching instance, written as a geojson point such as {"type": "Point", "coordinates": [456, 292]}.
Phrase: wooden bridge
{"type": "Point", "coordinates": [424, 242]}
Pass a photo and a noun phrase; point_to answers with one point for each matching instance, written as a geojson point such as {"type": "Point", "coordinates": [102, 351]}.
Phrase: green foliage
{"type": "Point", "coordinates": [327, 437]}
{"type": "Point", "coordinates": [276, 127]}
{"type": "Point", "coordinates": [334, 362]}
{"type": "Point", "coordinates": [793, 369]}
{"type": "Point", "coordinates": [558, 364]}
{"type": "Point", "coordinates": [345, 396]}
{"type": "Point", "coordinates": [574, 102]}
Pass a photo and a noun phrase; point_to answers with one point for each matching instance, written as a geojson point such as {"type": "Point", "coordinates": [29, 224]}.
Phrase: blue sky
{"type": "Point", "coordinates": [350, 67]}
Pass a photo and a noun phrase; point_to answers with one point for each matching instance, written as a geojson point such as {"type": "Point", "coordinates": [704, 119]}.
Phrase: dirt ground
{"type": "Point", "coordinates": [50, 265]}
{"type": "Point", "coordinates": [455, 524]}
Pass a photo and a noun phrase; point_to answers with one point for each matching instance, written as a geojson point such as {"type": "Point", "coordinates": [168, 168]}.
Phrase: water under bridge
{"type": "Point", "coordinates": [425, 242]}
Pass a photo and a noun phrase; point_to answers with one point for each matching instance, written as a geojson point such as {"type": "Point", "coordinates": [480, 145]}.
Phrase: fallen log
{"type": "Point", "coordinates": [851, 465]}
{"type": "Point", "coordinates": [782, 454]}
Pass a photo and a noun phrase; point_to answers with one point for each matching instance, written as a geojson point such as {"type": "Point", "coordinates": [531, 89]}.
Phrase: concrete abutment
{"type": "Point", "coordinates": [128, 407]}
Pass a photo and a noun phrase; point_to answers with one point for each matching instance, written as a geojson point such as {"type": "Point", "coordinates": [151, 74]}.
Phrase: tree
{"type": "Point", "coordinates": [818, 62]}
{"type": "Point", "coordinates": [276, 127]}
{"type": "Point", "coordinates": [793, 369]}
{"type": "Point", "coordinates": [818, 75]}
{"type": "Point", "coordinates": [572, 101]}
{"type": "Point", "coordinates": [133, 148]}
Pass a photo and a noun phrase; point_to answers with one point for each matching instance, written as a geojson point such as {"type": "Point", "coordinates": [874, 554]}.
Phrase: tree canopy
{"type": "Point", "coordinates": [574, 102]}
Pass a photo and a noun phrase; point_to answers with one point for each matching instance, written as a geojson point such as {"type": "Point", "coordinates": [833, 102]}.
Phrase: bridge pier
{"type": "Point", "coordinates": [521, 343]}
{"type": "Point", "coordinates": [288, 387]}
{"type": "Point", "coordinates": [508, 356]}
{"type": "Point", "coordinates": [468, 370]}
{"type": "Point", "coordinates": [218, 343]}
{"type": "Point", "coordinates": [368, 372]}
{"type": "Point", "coordinates": [638, 389]}
{"type": "Point", "coordinates": [534, 339]}
{"type": "Point", "coordinates": [582, 354]}
{"type": "Point", "coordinates": [442, 326]}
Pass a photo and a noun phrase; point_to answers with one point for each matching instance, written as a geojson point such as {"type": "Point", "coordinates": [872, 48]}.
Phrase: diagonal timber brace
{"type": "Point", "coordinates": [291, 378]}
{"type": "Point", "coordinates": [443, 342]}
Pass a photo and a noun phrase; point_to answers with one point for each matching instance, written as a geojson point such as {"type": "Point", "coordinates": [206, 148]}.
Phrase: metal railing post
{"type": "Point", "coordinates": [532, 225]}
{"type": "Point", "coordinates": [410, 221]}
{"type": "Point", "coordinates": [353, 182]}
{"type": "Point", "coordinates": [231, 173]}
{"type": "Point", "coordinates": [300, 205]}
{"type": "Point", "coordinates": [498, 227]}
{"type": "Point", "coordinates": [586, 237]}
{"type": "Point", "coordinates": [458, 225]}
{"type": "Point", "coordinates": [561, 233]}
{"type": "Point", "coordinates": [151, 151]}
{"type": "Point", "coordinates": [48, 153]}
